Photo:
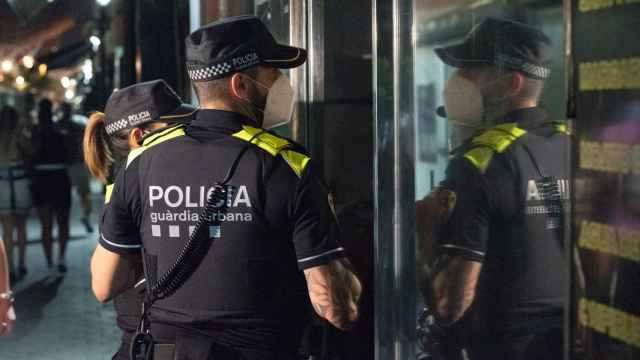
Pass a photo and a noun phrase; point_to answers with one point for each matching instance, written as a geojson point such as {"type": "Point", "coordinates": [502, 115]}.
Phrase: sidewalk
{"type": "Point", "coordinates": [58, 318]}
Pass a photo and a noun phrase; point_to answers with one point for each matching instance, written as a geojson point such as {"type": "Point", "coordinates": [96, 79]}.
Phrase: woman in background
{"type": "Point", "coordinates": [15, 197]}
{"type": "Point", "coordinates": [51, 187]}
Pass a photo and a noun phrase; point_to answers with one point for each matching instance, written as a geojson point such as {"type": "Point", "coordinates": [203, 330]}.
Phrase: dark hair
{"type": "Point", "coordinates": [8, 119]}
{"type": "Point", "coordinates": [219, 88]}
{"type": "Point", "coordinates": [8, 126]}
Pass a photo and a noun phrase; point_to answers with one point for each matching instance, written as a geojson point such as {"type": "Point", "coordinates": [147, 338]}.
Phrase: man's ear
{"type": "Point", "coordinates": [238, 87]}
{"type": "Point", "coordinates": [515, 84]}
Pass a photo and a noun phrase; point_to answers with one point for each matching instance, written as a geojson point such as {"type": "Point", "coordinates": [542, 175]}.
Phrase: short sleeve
{"type": "Point", "coordinates": [466, 232]}
{"type": "Point", "coordinates": [119, 228]}
{"type": "Point", "coordinates": [315, 228]}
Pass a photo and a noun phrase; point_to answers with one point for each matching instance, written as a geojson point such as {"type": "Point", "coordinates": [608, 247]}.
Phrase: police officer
{"type": "Point", "coordinates": [247, 298]}
{"type": "Point", "coordinates": [499, 282]}
{"type": "Point", "coordinates": [108, 139]}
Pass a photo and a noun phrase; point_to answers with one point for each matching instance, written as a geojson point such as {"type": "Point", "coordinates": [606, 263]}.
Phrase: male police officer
{"type": "Point", "coordinates": [247, 299]}
{"type": "Point", "coordinates": [500, 284]}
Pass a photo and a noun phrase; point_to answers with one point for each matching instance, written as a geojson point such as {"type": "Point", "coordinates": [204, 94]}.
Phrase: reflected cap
{"type": "Point", "coordinates": [143, 103]}
{"type": "Point", "coordinates": [233, 44]}
{"type": "Point", "coordinates": [503, 43]}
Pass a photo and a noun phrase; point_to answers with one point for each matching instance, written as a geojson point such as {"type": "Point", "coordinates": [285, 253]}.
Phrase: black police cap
{"type": "Point", "coordinates": [503, 43]}
{"type": "Point", "coordinates": [233, 44]}
{"type": "Point", "coordinates": [142, 103]}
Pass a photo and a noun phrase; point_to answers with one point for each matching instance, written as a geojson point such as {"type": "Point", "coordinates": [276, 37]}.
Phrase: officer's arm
{"type": "Point", "coordinates": [334, 291]}
{"type": "Point", "coordinates": [116, 262]}
{"type": "Point", "coordinates": [455, 288]}
{"type": "Point", "coordinates": [112, 273]}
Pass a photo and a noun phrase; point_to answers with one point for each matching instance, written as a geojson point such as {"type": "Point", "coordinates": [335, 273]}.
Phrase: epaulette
{"type": "Point", "coordinates": [275, 146]}
{"type": "Point", "coordinates": [493, 140]}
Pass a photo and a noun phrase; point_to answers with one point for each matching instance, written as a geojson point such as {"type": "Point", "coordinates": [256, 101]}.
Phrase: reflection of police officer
{"type": "Point", "coordinates": [247, 298]}
{"type": "Point", "coordinates": [500, 275]}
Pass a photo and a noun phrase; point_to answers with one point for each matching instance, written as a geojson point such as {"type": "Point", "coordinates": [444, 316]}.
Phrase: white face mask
{"type": "Point", "coordinates": [281, 99]}
{"type": "Point", "coordinates": [463, 101]}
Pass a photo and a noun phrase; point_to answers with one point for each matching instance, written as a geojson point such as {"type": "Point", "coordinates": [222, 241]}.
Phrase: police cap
{"type": "Point", "coordinates": [142, 103]}
{"type": "Point", "coordinates": [233, 44]}
{"type": "Point", "coordinates": [505, 44]}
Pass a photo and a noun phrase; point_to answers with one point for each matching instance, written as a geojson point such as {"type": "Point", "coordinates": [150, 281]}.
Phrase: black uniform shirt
{"type": "Point", "coordinates": [279, 222]}
{"type": "Point", "coordinates": [491, 224]}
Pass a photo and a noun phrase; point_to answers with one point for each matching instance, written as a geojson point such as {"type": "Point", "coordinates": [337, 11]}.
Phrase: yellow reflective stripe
{"type": "Point", "coordinates": [498, 137]}
{"type": "Point", "coordinates": [562, 128]}
{"type": "Point", "coordinates": [495, 139]}
{"type": "Point", "coordinates": [480, 157]}
{"type": "Point", "coordinates": [274, 146]}
{"type": "Point", "coordinates": [270, 143]}
{"type": "Point", "coordinates": [162, 133]}
{"type": "Point", "coordinates": [156, 139]}
{"type": "Point", "coordinates": [107, 193]}
{"type": "Point", "coordinates": [297, 161]}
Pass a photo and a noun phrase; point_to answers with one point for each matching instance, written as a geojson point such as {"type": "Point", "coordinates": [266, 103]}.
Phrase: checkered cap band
{"type": "Point", "coordinates": [116, 126]}
{"type": "Point", "coordinates": [221, 69]}
{"type": "Point", "coordinates": [210, 72]}
{"type": "Point", "coordinates": [536, 71]}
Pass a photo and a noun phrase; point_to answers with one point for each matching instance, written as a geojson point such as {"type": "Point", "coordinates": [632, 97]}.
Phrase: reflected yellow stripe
{"type": "Point", "coordinates": [609, 321]}
{"type": "Point", "coordinates": [621, 242]}
{"type": "Point", "coordinates": [609, 157]}
{"type": "Point", "coordinates": [614, 74]}
{"type": "Point", "coordinates": [595, 5]}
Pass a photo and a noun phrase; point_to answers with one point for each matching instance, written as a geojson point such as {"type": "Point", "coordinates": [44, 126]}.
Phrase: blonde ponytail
{"type": "Point", "coordinates": [97, 151]}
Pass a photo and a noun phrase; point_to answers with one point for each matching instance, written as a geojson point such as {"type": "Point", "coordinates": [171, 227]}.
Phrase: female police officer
{"type": "Point", "coordinates": [105, 148]}
{"type": "Point", "coordinates": [247, 298]}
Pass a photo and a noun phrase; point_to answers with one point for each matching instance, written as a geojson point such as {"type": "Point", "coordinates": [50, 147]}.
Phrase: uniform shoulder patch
{"type": "Point", "coordinates": [169, 133]}
{"type": "Point", "coordinates": [494, 140]}
{"type": "Point", "coordinates": [275, 146]}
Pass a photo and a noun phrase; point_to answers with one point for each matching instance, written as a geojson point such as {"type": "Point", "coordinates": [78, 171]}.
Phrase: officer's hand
{"type": "Point", "coordinates": [334, 292]}
{"type": "Point", "coordinates": [431, 212]}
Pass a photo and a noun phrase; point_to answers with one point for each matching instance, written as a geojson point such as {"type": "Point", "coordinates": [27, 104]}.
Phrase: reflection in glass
{"type": "Point", "coordinates": [489, 204]}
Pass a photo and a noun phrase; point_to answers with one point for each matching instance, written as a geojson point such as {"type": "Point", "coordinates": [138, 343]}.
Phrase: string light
{"type": "Point", "coordinates": [28, 61]}
{"type": "Point", "coordinates": [42, 69]}
{"type": "Point", "coordinates": [7, 65]}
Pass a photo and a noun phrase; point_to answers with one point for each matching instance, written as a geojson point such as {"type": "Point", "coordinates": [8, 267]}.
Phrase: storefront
{"type": "Point", "coordinates": [368, 96]}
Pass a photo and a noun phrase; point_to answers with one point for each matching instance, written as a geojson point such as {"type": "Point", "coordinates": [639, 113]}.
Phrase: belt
{"type": "Point", "coordinates": [164, 351]}
{"type": "Point", "coordinates": [50, 167]}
